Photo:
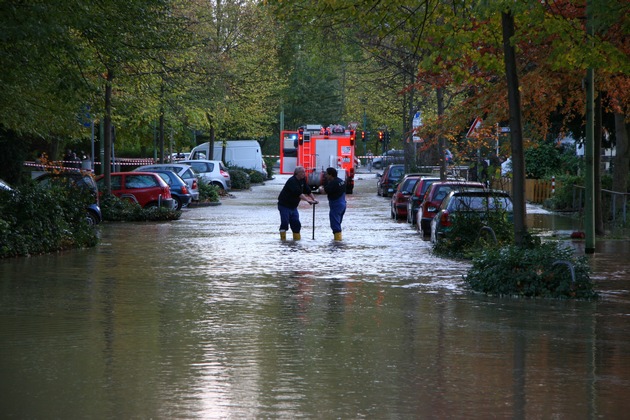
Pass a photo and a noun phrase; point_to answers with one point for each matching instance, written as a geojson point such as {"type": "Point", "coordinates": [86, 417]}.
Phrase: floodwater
{"type": "Point", "coordinates": [213, 317]}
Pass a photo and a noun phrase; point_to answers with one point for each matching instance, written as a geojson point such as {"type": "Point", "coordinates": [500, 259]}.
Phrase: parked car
{"type": "Point", "coordinates": [400, 197]}
{"type": "Point", "coordinates": [147, 189]}
{"type": "Point", "coordinates": [433, 198]}
{"type": "Point", "coordinates": [469, 203]}
{"type": "Point", "coordinates": [76, 179]}
{"type": "Point", "coordinates": [416, 196]}
{"type": "Point", "coordinates": [212, 172]}
{"type": "Point", "coordinates": [390, 157]}
{"type": "Point", "coordinates": [179, 189]}
{"type": "Point", "coordinates": [175, 157]}
{"type": "Point", "coordinates": [5, 186]}
{"type": "Point", "coordinates": [184, 171]}
{"type": "Point", "coordinates": [390, 177]}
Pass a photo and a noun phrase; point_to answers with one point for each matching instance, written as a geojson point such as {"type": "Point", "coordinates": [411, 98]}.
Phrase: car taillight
{"type": "Point", "coordinates": [185, 189]}
{"type": "Point", "coordinates": [194, 184]}
{"type": "Point", "coordinates": [224, 174]}
{"type": "Point", "coordinates": [444, 219]}
{"type": "Point", "coordinates": [166, 192]}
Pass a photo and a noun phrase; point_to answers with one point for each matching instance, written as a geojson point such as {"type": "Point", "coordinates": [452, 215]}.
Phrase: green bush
{"type": "Point", "coordinates": [116, 210]}
{"type": "Point", "coordinates": [539, 271]}
{"type": "Point", "coordinates": [270, 162]}
{"type": "Point", "coordinates": [256, 177]}
{"type": "Point", "coordinates": [207, 192]}
{"type": "Point", "coordinates": [563, 196]}
{"type": "Point", "coordinates": [35, 220]}
{"type": "Point", "coordinates": [240, 179]}
{"type": "Point", "coordinates": [469, 234]}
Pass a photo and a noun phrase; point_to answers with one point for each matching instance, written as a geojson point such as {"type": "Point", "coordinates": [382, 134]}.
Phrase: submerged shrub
{"type": "Point", "coordinates": [116, 210]}
{"type": "Point", "coordinates": [240, 179]}
{"type": "Point", "coordinates": [37, 220]}
{"type": "Point", "coordinates": [208, 192]}
{"type": "Point", "coordinates": [469, 234]}
{"type": "Point", "coordinates": [539, 271]}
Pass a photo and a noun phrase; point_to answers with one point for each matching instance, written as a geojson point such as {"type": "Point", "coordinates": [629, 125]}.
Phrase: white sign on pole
{"type": "Point", "coordinates": [415, 124]}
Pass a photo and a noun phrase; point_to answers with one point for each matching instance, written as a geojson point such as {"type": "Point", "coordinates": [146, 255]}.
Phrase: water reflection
{"type": "Point", "coordinates": [214, 317]}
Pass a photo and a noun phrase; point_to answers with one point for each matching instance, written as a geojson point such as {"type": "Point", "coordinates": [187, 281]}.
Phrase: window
{"type": "Point", "coordinates": [140, 181]}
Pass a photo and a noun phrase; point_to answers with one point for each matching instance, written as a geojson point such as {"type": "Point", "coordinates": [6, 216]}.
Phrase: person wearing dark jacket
{"type": "Point", "coordinates": [295, 190]}
{"type": "Point", "coordinates": [335, 188]}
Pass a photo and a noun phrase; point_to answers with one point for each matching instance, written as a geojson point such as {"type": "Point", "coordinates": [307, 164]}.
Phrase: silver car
{"type": "Point", "coordinates": [212, 172]}
{"type": "Point", "coordinates": [184, 171]}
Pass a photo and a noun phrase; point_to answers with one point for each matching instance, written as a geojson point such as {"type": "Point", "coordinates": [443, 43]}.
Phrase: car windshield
{"type": "Point", "coordinates": [396, 171]}
{"type": "Point", "coordinates": [408, 184]}
{"type": "Point", "coordinates": [480, 203]}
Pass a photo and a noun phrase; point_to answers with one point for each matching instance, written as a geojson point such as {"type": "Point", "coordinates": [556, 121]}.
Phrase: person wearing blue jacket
{"type": "Point", "coordinates": [335, 188]}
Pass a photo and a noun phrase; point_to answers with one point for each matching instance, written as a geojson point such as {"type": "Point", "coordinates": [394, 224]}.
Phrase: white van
{"type": "Point", "coordinates": [243, 153]}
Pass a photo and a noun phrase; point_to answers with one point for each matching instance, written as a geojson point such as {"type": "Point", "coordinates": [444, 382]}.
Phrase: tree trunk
{"type": "Point", "coordinates": [161, 134]}
{"type": "Point", "coordinates": [622, 157]}
{"type": "Point", "coordinates": [597, 170]}
{"type": "Point", "coordinates": [441, 140]}
{"type": "Point", "coordinates": [107, 140]}
{"type": "Point", "coordinates": [516, 133]}
{"type": "Point", "coordinates": [211, 139]}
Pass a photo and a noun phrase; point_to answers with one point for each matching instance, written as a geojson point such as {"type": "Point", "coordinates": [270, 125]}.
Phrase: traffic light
{"type": "Point", "coordinates": [300, 136]}
{"type": "Point", "coordinates": [363, 136]}
{"type": "Point", "coordinates": [380, 136]}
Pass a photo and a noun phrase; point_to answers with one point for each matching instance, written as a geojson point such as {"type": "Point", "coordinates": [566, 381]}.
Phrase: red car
{"type": "Point", "coordinates": [147, 189]}
{"type": "Point", "coordinates": [433, 198]}
{"type": "Point", "coordinates": [400, 197]}
{"type": "Point", "coordinates": [416, 196]}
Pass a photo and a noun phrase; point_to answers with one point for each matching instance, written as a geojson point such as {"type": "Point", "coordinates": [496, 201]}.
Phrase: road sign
{"type": "Point", "coordinates": [472, 131]}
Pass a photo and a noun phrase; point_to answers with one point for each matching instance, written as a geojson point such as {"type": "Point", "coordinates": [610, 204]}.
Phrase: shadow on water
{"type": "Point", "coordinates": [213, 316]}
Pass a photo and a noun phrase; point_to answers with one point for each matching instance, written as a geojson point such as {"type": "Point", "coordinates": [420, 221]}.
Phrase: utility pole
{"type": "Point", "coordinates": [589, 147]}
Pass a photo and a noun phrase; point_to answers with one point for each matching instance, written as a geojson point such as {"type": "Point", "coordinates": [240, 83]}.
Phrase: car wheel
{"type": "Point", "coordinates": [426, 233]}
{"type": "Point", "coordinates": [178, 202]}
{"type": "Point", "coordinates": [91, 218]}
{"type": "Point", "coordinates": [434, 237]}
{"type": "Point", "coordinates": [218, 184]}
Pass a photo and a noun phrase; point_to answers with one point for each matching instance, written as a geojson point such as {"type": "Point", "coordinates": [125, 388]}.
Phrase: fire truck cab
{"type": "Point", "coordinates": [316, 148]}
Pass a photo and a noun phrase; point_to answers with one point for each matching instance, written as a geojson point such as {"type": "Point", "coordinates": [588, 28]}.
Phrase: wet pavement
{"type": "Point", "coordinates": [212, 316]}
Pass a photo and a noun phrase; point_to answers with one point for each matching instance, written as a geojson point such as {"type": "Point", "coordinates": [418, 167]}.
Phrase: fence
{"type": "Point", "coordinates": [614, 204]}
{"type": "Point", "coordinates": [536, 190]}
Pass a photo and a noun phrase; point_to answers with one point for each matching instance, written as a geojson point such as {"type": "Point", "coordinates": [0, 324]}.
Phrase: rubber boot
{"type": "Point", "coordinates": [283, 235]}
{"type": "Point", "coordinates": [296, 236]}
{"type": "Point", "coordinates": [337, 236]}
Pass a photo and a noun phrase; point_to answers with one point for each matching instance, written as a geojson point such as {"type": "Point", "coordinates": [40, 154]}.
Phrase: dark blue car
{"type": "Point", "coordinates": [80, 180]}
{"type": "Point", "coordinates": [179, 189]}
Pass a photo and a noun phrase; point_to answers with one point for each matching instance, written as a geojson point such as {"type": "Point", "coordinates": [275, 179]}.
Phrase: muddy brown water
{"type": "Point", "coordinates": [212, 316]}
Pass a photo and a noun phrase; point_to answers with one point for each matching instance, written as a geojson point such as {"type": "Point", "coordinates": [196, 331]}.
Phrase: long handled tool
{"type": "Point", "coordinates": [313, 221]}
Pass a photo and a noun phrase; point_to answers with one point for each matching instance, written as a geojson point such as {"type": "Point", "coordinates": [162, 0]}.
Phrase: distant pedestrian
{"type": "Point", "coordinates": [370, 157]}
{"type": "Point", "coordinates": [335, 188]}
{"type": "Point", "coordinates": [295, 190]}
{"type": "Point", "coordinates": [449, 157]}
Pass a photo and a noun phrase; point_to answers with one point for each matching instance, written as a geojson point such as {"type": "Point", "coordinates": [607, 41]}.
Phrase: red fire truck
{"type": "Point", "coordinates": [316, 148]}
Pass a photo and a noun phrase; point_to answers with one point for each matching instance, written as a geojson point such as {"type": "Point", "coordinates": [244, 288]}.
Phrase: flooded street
{"type": "Point", "coordinates": [213, 317]}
